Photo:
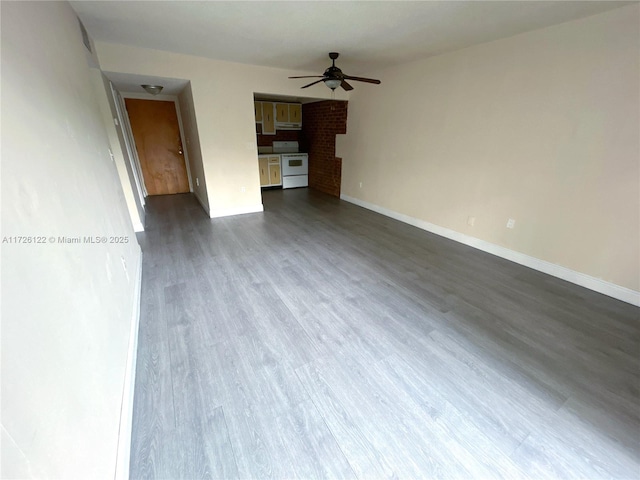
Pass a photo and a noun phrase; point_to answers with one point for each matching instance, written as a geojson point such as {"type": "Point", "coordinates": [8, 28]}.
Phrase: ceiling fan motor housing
{"type": "Point", "coordinates": [333, 72]}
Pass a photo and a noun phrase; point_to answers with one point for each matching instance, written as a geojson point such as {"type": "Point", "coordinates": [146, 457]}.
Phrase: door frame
{"type": "Point", "coordinates": [176, 104]}
{"type": "Point", "coordinates": [127, 134]}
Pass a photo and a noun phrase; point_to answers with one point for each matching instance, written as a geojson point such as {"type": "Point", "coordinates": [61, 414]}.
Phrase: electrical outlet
{"type": "Point", "coordinates": [360, 184]}
{"type": "Point", "coordinates": [197, 182]}
{"type": "Point", "coordinates": [243, 189]}
{"type": "Point", "coordinates": [471, 221]}
{"type": "Point", "coordinates": [511, 223]}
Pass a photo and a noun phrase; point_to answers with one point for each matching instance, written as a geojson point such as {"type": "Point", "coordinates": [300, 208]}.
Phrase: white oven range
{"type": "Point", "coordinates": [295, 165]}
{"type": "Point", "coordinates": [295, 170]}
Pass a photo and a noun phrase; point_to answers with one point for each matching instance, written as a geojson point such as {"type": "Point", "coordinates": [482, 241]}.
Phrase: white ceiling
{"type": "Point", "coordinates": [299, 34]}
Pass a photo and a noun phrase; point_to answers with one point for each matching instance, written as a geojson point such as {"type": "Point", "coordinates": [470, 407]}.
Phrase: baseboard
{"type": "Point", "coordinates": [126, 410]}
{"type": "Point", "coordinates": [592, 283]}
{"type": "Point", "coordinates": [227, 212]}
{"type": "Point", "coordinates": [138, 227]}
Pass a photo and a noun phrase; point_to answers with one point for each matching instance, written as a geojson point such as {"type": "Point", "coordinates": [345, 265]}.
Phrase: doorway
{"type": "Point", "coordinates": [156, 133]}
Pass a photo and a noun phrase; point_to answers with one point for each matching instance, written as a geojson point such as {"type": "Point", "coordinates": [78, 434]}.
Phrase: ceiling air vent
{"type": "Point", "coordinates": [85, 36]}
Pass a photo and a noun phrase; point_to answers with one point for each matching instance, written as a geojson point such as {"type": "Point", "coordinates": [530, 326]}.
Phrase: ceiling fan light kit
{"type": "Point", "coordinates": [332, 83]}
{"type": "Point", "coordinates": [334, 78]}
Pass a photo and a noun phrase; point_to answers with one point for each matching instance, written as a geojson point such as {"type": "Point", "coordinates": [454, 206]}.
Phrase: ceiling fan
{"type": "Point", "coordinates": [334, 78]}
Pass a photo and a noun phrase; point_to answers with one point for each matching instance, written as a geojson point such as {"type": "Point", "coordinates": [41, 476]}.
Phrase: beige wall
{"type": "Point", "coordinates": [192, 146]}
{"type": "Point", "coordinates": [542, 127]}
{"type": "Point", "coordinates": [67, 309]}
{"type": "Point", "coordinates": [223, 104]}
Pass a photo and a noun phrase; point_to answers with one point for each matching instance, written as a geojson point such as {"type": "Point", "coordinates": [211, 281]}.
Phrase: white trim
{"type": "Point", "coordinates": [127, 134]}
{"type": "Point", "coordinates": [227, 212]}
{"type": "Point", "coordinates": [148, 96]}
{"type": "Point", "coordinates": [185, 153]}
{"type": "Point", "coordinates": [138, 227]}
{"type": "Point", "coordinates": [126, 410]}
{"type": "Point", "coordinates": [592, 283]}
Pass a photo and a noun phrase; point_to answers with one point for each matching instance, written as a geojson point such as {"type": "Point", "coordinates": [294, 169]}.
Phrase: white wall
{"type": "Point", "coordinates": [223, 105]}
{"type": "Point", "coordinates": [67, 309]}
{"type": "Point", "coordinates": [542, 127]}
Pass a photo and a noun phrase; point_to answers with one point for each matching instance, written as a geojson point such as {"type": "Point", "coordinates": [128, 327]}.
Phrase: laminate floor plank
{"type": "Point", "coordinates": [196, 390]}
{"type": "Point", "coordinates": [575, 368]}
{"type": "Point", "coordinates": [199, 448]}
{"type": "Point", "coordinates": [565, 446]}
{"type": "Point", "coordinates": [302, 434]}
{"type": "Point", "coordinates": [358, 448]}
{"type": "Point", "coordinates": [418, 449]}
{"type": "Point", "coordinates": [531, 367]}
{"type": "Point", "coordinates": [321, 340]}
{"type": "Point", "coordinates": [153, 410]}
{"type": "Point", "coordinates": [277, 327]}
{"type": "Point", "coordinates": [458, 428]}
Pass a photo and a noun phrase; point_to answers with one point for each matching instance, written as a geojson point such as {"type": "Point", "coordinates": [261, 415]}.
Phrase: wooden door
{"type": "Point", "coordinates": [264, 171]}
{"type": "Point", "coordinates": [157, 135]}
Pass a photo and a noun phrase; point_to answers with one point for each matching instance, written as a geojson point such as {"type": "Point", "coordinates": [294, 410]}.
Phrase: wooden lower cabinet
{"type": "Point", "coordinates": [270, 170]}
{"type": "Point", "coordinates": [264, 171]}
{"type": "Point", "coordinates": [274, 175]}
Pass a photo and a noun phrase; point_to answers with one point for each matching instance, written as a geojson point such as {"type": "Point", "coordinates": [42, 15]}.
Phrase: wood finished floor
{"type": "Point", "coordinates": [322, 340]}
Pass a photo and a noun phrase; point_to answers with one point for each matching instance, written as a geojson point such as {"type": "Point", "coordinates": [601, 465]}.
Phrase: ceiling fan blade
{"type": "Point", "coordinates": [361, 79]}
{"type": "Point", "coordinates": [313, 83]}
{"type": "Point", "coordinates": [310, 76]}
{"type": "Point", "coordinates": [346, 86]}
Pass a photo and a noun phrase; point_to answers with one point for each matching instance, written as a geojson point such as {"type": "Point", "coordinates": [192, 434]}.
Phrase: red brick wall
{"type": "Point", "coordinates": [321, 121]}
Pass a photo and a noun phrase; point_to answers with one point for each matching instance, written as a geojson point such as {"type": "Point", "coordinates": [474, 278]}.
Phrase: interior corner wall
{"type": "Point", "coordinates": [102, 88]}
{"type": "Point", "coordinates": [223, 96]}
{"type": "Point", "coordinates": [322, 121]}
{"type": "Point", "coordinates": [542, 127]}
{"type": "Point", "coordinates": [68, 305]}
{"type": "Point", "coordinates": [192, 146]}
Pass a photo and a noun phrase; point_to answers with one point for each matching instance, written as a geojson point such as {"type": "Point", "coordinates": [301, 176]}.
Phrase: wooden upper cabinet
{"type": "Point", "coordinates": [282, 112]}
{"type": "Point", "coordinates": [295, 113]}
{"type": "Point", "coordinates": [288, 116]}
{"type": "Point", "coordinates": [278, 116]}
{"type": "Point", "coordinates": [268, 122]}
